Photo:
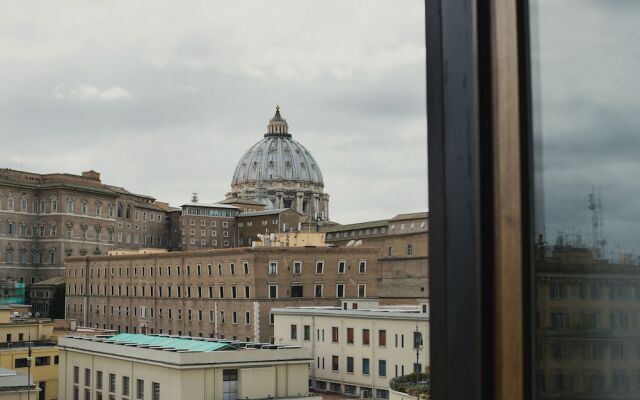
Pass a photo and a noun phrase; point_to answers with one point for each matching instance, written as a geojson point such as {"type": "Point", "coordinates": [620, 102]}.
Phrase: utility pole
{"type": "Point", "coordinates": [29, 368]}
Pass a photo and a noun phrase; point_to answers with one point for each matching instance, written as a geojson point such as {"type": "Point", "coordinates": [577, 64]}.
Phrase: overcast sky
{"type": "Point", "coordinates": [586, 63]}
{"type": "Point", "coordinates": [163, 97]}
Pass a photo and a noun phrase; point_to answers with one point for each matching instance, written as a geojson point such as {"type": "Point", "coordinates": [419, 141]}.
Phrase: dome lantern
{"type": "Point", "coordinates": [277, 125]}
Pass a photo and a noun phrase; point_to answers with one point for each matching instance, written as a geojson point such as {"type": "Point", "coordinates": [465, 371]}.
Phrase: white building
{"type": "Point", "coordinates": [161, 367]}
{"type": "Point", "coordinates": [359, 348]}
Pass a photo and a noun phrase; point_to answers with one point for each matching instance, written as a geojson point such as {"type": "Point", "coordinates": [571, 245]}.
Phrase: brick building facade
{"type": "Point", "coordinates": [226, 293]}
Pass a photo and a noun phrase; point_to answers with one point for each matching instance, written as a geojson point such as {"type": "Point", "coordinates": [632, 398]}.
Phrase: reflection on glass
{"type": "Point", "coordinates": [585, 68]}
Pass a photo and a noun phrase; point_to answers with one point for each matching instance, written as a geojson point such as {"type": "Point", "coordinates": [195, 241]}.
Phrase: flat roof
{"type": "Point", "coordinates": [210, 205]}
{"type": "Point", "coordinates": [169, 342]}
{"type": "Point", "coordinates": [264, 212]}
{"type": "Point", "coordinates": [391, 312]}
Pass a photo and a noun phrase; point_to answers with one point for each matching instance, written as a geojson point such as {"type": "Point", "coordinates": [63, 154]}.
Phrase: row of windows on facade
{"type": "Point", "coordinates": [39, 361]}
{"type": "Point", "coordinates": [296, 290]}
{"type": "Point", "coordinates": [203, 232]}
{"type": "Point", "coordinates": [160, 331]}
{"type": "Point", "coordinates": [264, 222]}
{"type": "Point", "coordinates": [365, 336]}
{"type": "Point", "coordinates": [101, 388]}
{"type": "Point", "coordinates": [40, 206]}
{"type": "Point", "coordinates": [203, 223]}
{"type": "Point", "coordinates": [297, 269]}
{"type": "Point", "coordinates": [352, 390]}
{"type": "Point", "coordinates": [409, 250]}
{"type": "Point", "coordinates": [210, 212]}
{"type": "Point", "coordinates": [562, 320]}
{"type": "Point", "coordinates": [148, 271]}
{"type": "Point", "coordinates": [361, 232]}
{"type": "Point", "coordinates": [591, 382]}
{"type": "Point", "coordinates": [589, 350]}
{"type": "Point", "coordinates": [594, 291]}
{"type": "Point", "coordinates": [159, 313]}
{"type": "Point", "coordinates": [365, 364]}
{"type": "Point", "coordinates": [37, 256]}
{"type": "Point", "coordinates": [205, 242]}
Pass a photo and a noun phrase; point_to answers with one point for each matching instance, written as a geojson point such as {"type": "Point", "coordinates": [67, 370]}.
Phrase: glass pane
{"type": "Point", "coordinates": [585, 60]}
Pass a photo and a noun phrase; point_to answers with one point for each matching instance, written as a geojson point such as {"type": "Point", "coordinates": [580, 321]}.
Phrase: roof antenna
{"type": "Point", "coordinates": [194, 197]}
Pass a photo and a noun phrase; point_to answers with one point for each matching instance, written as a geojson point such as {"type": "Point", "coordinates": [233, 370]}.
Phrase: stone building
{"type": "Point", "coordinates": [207, 226]}
{"type": "Point", "coordinates": [225, 293]}
{"type": "Point", "coordinates": [357, 350]}
{"type": "Point", "coordinates": [252, 224]}
{"type": "Point", "coordinates": [46, 217]}
{"type": "Point", "coordinates": [162, 367]}
{"type": "Point", "coordinates": [41, 296]}
{"type": "Point", "coordinates": [281, 173]}
{"type": "Point", "coordinates": [402, 242]}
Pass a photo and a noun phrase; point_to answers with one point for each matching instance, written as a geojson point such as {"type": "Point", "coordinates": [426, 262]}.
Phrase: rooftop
{"type": "Point", "coordinates": [404, 217]}
{"type": "Point", "coordinates": [183, 351]}
{"type": "Point", "coordinates": [412, 312]}
{"type": "Point", "coordinates": [58, 280]}
{"type": "Point", "coordinates": [360, 225]}
{"type": "Point", "coordinates": [210, 205]}
{"type": "Point", "coordinates": [265, 212]}
{"type": "Point", "coordinates": [11, 380]}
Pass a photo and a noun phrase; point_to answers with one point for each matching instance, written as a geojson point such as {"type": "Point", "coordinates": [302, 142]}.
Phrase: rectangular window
{"type": "Point", "coordinates": [317, 289]}
{"type": "Point", "coordinates": [273, 268]}
{"type": "Point", "coordinates": [335, 363]}
{"type": "Point", "coordinates": [362, 266]}
{"type": "Point", "coordinates": [297, 267]}
{"type": "Point", "coordinates": [87, 376]}
{"type": "Point", "coordinates": [365, 337]}
{"type": "Point", "coordinates": [296, 290]}
{"type": "Point", "coordinates": [125, 386]}
{"type": "Point", "coordinates": [350, 335]}
{"type": "Point", "coordinates": [382, 368]}
{"type": "Point", "coordinates": [99, 380]}
{"type": "Point", "coordinates": [319, 267]}
{"type": "Point", "coordinates": [155, 391]}
{"type": "Point", "coordinates": [350, 364]}
{"type": "Point", "coordinates": [340, 292]}
{"type": "Point", "coordinates": [76, 374]}
{"type": "Point", "coordinates": [294, 332]}
{"type": "Point", "coordinates": [334, 334]}
{"type": "Point", "coordinates": [307, 333]}
{"type": "Point", "coordinates": [365, 366]}
{"type": "Point", "coordinates": [273, 291]}
{"type": "Point", "coordinates": [382, 338]}
{"type": "Point", "coordinates": [139, 389]}
{"type": "Point", "coordinates": [245, 268]}
{"type": "Point", "coordinates": [362, 290]}
{"type": "Point", "coordinates": [112, 383]}
{"type": "Point", "coordinates": [342, 266]}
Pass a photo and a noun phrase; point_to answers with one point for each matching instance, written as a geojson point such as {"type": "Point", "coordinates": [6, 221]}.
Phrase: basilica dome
{"type": "Point", "coordinates": [281, 173]}
{"type": "Point", "coordinates": [277, 157]}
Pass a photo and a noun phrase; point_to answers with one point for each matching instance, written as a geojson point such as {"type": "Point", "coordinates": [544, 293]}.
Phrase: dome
{"type": "Point", "coordinates": [277, 157]}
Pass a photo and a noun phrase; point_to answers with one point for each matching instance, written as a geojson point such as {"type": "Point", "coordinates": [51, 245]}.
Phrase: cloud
{"type": "Point", "coordinates": [92, 93]}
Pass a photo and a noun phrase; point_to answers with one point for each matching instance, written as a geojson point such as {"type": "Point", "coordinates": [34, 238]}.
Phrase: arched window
{"type": "Point", "coordinates": [23, 256]}
{"type": "Point", "coordinates": [128, 211]}
{"type": "Point", "coordinates": [389, 251]}
{"type": "Point", "coordinates": [70, 206]}
{"type": "Point", "coordinates": [120, 210]}
{"type": "Point", "coordinates": [85, 208]}
{"type": "Point", "coordinates": [52, 256]}
{"type": "Point", "coordinates": [409, 249]}
{"type": "Point", "coordinates": [54, 205]}
{"type": "Point", "coordinates": [10, 202]}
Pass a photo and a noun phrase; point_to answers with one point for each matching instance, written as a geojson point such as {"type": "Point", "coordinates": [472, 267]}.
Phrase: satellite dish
{"type": "Point", "coordinates": [28, 315]}
{"type": "Point", "coordinates": [358, 243]}
{"type": "Point", "coordinates": [351, 242]}
{"type": "Point", "coordinates": [272, 236]}
{"type": "Point", "coordinates": [37, 315]}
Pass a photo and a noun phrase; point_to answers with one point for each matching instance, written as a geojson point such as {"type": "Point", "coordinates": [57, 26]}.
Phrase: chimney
{"type": "Point", "coordinates": [93, 175]}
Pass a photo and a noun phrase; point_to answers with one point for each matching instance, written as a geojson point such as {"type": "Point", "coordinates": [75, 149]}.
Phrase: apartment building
{"type": "Point", "coordinates": [220, 293]}
{"type": "Point", "coordinates": [162, 367]}
{"type": "Point", "coordinates": [359, 347]}
{"type": "Point", "coordinates": [207, 226]}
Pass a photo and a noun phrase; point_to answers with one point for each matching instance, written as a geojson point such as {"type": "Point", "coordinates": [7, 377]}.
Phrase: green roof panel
{"type": "Point", "coordinates": [169, 343]}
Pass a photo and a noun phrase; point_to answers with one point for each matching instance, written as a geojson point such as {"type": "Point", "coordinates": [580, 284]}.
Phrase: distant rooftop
{"type": "Point", "coordinates": [412, 312]}
{"type": "Point", "coordinates": [180, 343]}
{"type": "Point", "coordinates": [210, 205]}
{"type": "Point", "coordinates": [265, 212]}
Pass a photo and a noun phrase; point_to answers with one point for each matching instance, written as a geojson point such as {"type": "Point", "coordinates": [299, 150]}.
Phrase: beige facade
{"type": "Point", "coordinates": [403, 253]}
{"type": "Point", "coordinates": [226, 293]}
{"type": "Point", "coordinates": [46, 217]}
{"type": "Point", "coordinates": [356, 351]}
{"type": "Point", "coordinates": [125, 370]}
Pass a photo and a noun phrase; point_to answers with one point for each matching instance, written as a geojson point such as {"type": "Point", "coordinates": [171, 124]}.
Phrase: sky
{"type": "Point", "coordinates": [586, 61]}
{"type": "Point", "coordinates": [164, 97]}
